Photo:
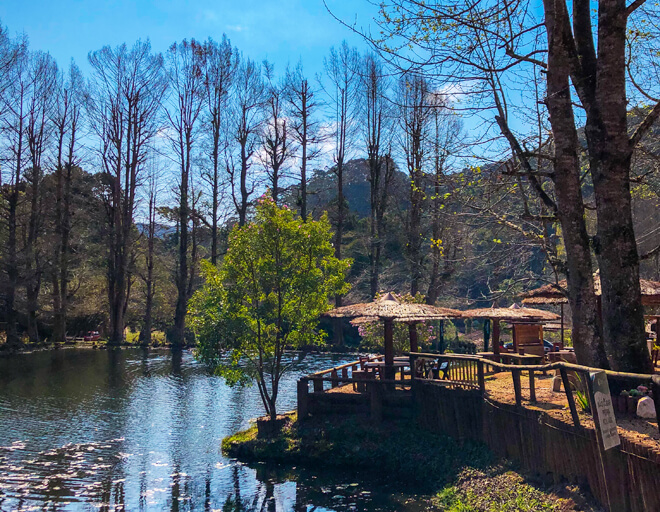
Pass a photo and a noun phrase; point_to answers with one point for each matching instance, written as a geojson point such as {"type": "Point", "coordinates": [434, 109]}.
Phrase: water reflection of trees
{"type": "Point", "coordinates": [264, 497]}
{"type": "Point", "coordinates": [262, 501]}
{"type": "Point", "coordinates": [143, 395]}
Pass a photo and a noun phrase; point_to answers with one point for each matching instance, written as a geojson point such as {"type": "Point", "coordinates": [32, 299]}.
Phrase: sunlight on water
{"type": "Point", "coordinates": [141, 430]}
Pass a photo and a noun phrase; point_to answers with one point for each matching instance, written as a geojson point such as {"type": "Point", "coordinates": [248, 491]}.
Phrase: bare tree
{"type": "Point", "coordinates": [186, 65]}
{"type": "Point", "coordinates": [246, 125]}
{"type": "Point", "coordinates": [221, 67]}
{"type": "Point", "coordinates": [446, 129]}
{"type": "Point", "coordinates": [342, 70]}
{"type": "Point", "coordinates": [124, 107]}
{"type": "Point", "coordinates": [276, 140]}
{"type": "Point", "coordinates": [15, 95]}
{"type": "Point", "coordinates": [302, 107]}
{"type": "Point", "coordinates": [376, 125]}
{"type": "Point", "coordinates": [43, 77]}
{"type": "Point", "coordinates": [415, 103]}
{"type": "Point", "coordinates": [150, 253]}
{"type": "Point", "coordinates": [67, 121]}
{"type": "Point", "coordinates": [485, 52]}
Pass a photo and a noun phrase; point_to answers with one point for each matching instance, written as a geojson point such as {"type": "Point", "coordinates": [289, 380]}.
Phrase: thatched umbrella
{"type": "Point", "coordinates": [389, 309]}
{"type": "Point", "coordinates": [412, 326]}
{"type": "Point", "coordinates": [513, 313]}
{"type": "Point", "coordinates": [556, 293]}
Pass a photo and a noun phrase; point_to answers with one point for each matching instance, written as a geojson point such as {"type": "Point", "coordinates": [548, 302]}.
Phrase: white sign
{"type": "Point", "coordinates": [604, 409]}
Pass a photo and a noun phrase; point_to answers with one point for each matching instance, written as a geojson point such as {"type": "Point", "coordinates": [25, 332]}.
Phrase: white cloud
{"type": "Point", "coordinates": [208, 16]}
{"type": "Point", "coordinates": [236, 28]}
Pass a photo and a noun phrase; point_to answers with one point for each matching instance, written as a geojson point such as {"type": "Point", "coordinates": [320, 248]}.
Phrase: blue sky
{"type": "Point", "coordinates": [279, 30]}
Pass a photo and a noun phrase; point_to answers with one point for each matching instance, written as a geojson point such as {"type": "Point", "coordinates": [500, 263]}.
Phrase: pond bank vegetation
{"type": "Point", "coordinates": [460, 476]}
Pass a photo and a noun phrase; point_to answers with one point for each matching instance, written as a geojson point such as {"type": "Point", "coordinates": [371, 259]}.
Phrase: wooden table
{"type": "Point", "coordinates": [512, 358]}
{"type": "Point", "coordinates": [377, 366]}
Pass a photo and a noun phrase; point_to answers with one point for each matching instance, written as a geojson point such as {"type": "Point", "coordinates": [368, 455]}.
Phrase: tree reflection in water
{"type": "Point", "coordinates": [136, 429]}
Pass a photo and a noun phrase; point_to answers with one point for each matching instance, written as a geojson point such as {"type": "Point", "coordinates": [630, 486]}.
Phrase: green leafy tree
{"type": "Point", "coordinates": [276, 279]}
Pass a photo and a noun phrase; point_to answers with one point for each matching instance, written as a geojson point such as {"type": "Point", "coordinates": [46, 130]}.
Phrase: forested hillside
{"type": "Point", "coordinates": [116, 183]}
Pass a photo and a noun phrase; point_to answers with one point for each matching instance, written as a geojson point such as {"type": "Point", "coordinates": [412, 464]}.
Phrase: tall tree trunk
{"type": "Point", "coordinates": [59, 319]}
{"type": "Point", "coordinates": [182, 272]}
{"type": "Point", "coordinates": [436, 228]}
{"type": "Point", "coordinates": [215, 195]}
{"type": "Point", "coordinates": [145, 334]}
{"type": "Point", "coordinates": [303, 164]}
{"type": "Point", "coordinates": [11, 267]}
{"type": "Point", "coordinates": [338, 323]}
{"type": "Point", "coordinates": [414, 232]}
{"type": "Point", "coordinates": [570, 207]}
{"type": "Point", "coordinates": [32, 270]}
{"type": "Point", "coordinates": [374, 249]}
{"type": "Point", "coordinates": [117, 278]}
{"type": "Point", "coordinates": [242, 210]}
{"type": "Point", "coordinates": [616, 248]}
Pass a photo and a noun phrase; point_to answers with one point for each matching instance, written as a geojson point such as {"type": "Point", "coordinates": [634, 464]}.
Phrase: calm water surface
{"type": "Point", "coordinates": [141, 430]}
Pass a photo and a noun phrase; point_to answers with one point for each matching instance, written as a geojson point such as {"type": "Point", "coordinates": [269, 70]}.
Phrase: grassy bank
{"type": "Point", "coordinates": [461, 477]}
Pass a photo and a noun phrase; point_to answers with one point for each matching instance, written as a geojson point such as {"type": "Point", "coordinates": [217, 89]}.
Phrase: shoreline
{"type": "Point", "coordinates": [451, 473]}
{"type": "Point", "coordinates": [29, 348]}
{"type": "Point", "coordinates": [89, 345]}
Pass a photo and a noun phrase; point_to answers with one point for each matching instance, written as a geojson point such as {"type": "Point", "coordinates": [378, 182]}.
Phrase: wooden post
{"type": "Point", "coordinates": [376, 401]}
{"type": "Point", "coordinates": [532, 387]}
{"type": "Point", "coordinates": [515, 374]}
{"type": "Point", "coordinates": [561, 309]}
{"type": "Point", "coordinates": [412, 330]}
{"type": "Point", "coordinates": [303, 398]}
{"type": "Point", "coordinates": [487, 333]}
{"type": "Point", "coordinates": [413, 377]}
{"type": "Point", "coordinates": [481, 377]}
{"type": "Point", "coordinates": [389, 349]}
{"type": "Point", "coordinates": [599, 437]}
{"type": "Point", "coordinates": [318, 386]}
{"type": "Point", "coordinates": [514, 332]}
{"type": "Point", "coordinates": [569, 396]}
{"type": "Point", "coordinates": [344, 375]}
{"type": "Point", "coordinates": [496, 336]}
{"type": "Point", "coordinates": [333, 376]}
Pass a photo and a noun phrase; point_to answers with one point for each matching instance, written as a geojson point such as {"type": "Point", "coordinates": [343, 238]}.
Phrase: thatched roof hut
{"type": "Point", "coordinates": [556, 293]}
{"type": "Point", "coordinates": [514, 314]}
{"type": "Point", "coordinates": [389, 309]}
{"type": "Point", "coordinates": [511, 314]}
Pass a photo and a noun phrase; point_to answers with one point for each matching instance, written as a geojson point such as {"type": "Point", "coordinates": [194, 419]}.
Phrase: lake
{"type": "Point", "coordinates": [135, 429]}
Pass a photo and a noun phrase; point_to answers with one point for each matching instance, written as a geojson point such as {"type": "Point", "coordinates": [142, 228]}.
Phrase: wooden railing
{"type": "Point", "coordinates": [335, 377]}
{"type": "Point", "coordinates": [347, 374]}
{"type": "Point", "coordinates": [469, 373]}
{"type": "Point", "coordinates": [459, 371]}
{"type": "Point", "coordinates": [458, 404]}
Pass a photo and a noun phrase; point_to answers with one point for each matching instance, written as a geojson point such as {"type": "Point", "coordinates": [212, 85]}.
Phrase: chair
{"type": "Point", "coordinates": [441, 371]}
{"type": "Point", "coordinates": [361, 387]}
{"type": "Point", "coordinates": [444, 369]}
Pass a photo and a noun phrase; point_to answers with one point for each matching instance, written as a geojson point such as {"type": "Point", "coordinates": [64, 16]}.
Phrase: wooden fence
{"type": "Point", "coordinates": [623, 479]}
{"type": "Point", "coordinates": [627, 479]}
{"type": "Point", "coordinates": [377, 398]}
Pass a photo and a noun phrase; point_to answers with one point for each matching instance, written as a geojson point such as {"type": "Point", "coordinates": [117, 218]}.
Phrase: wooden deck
{"type": "Point", "coordinates": [511, 408]}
